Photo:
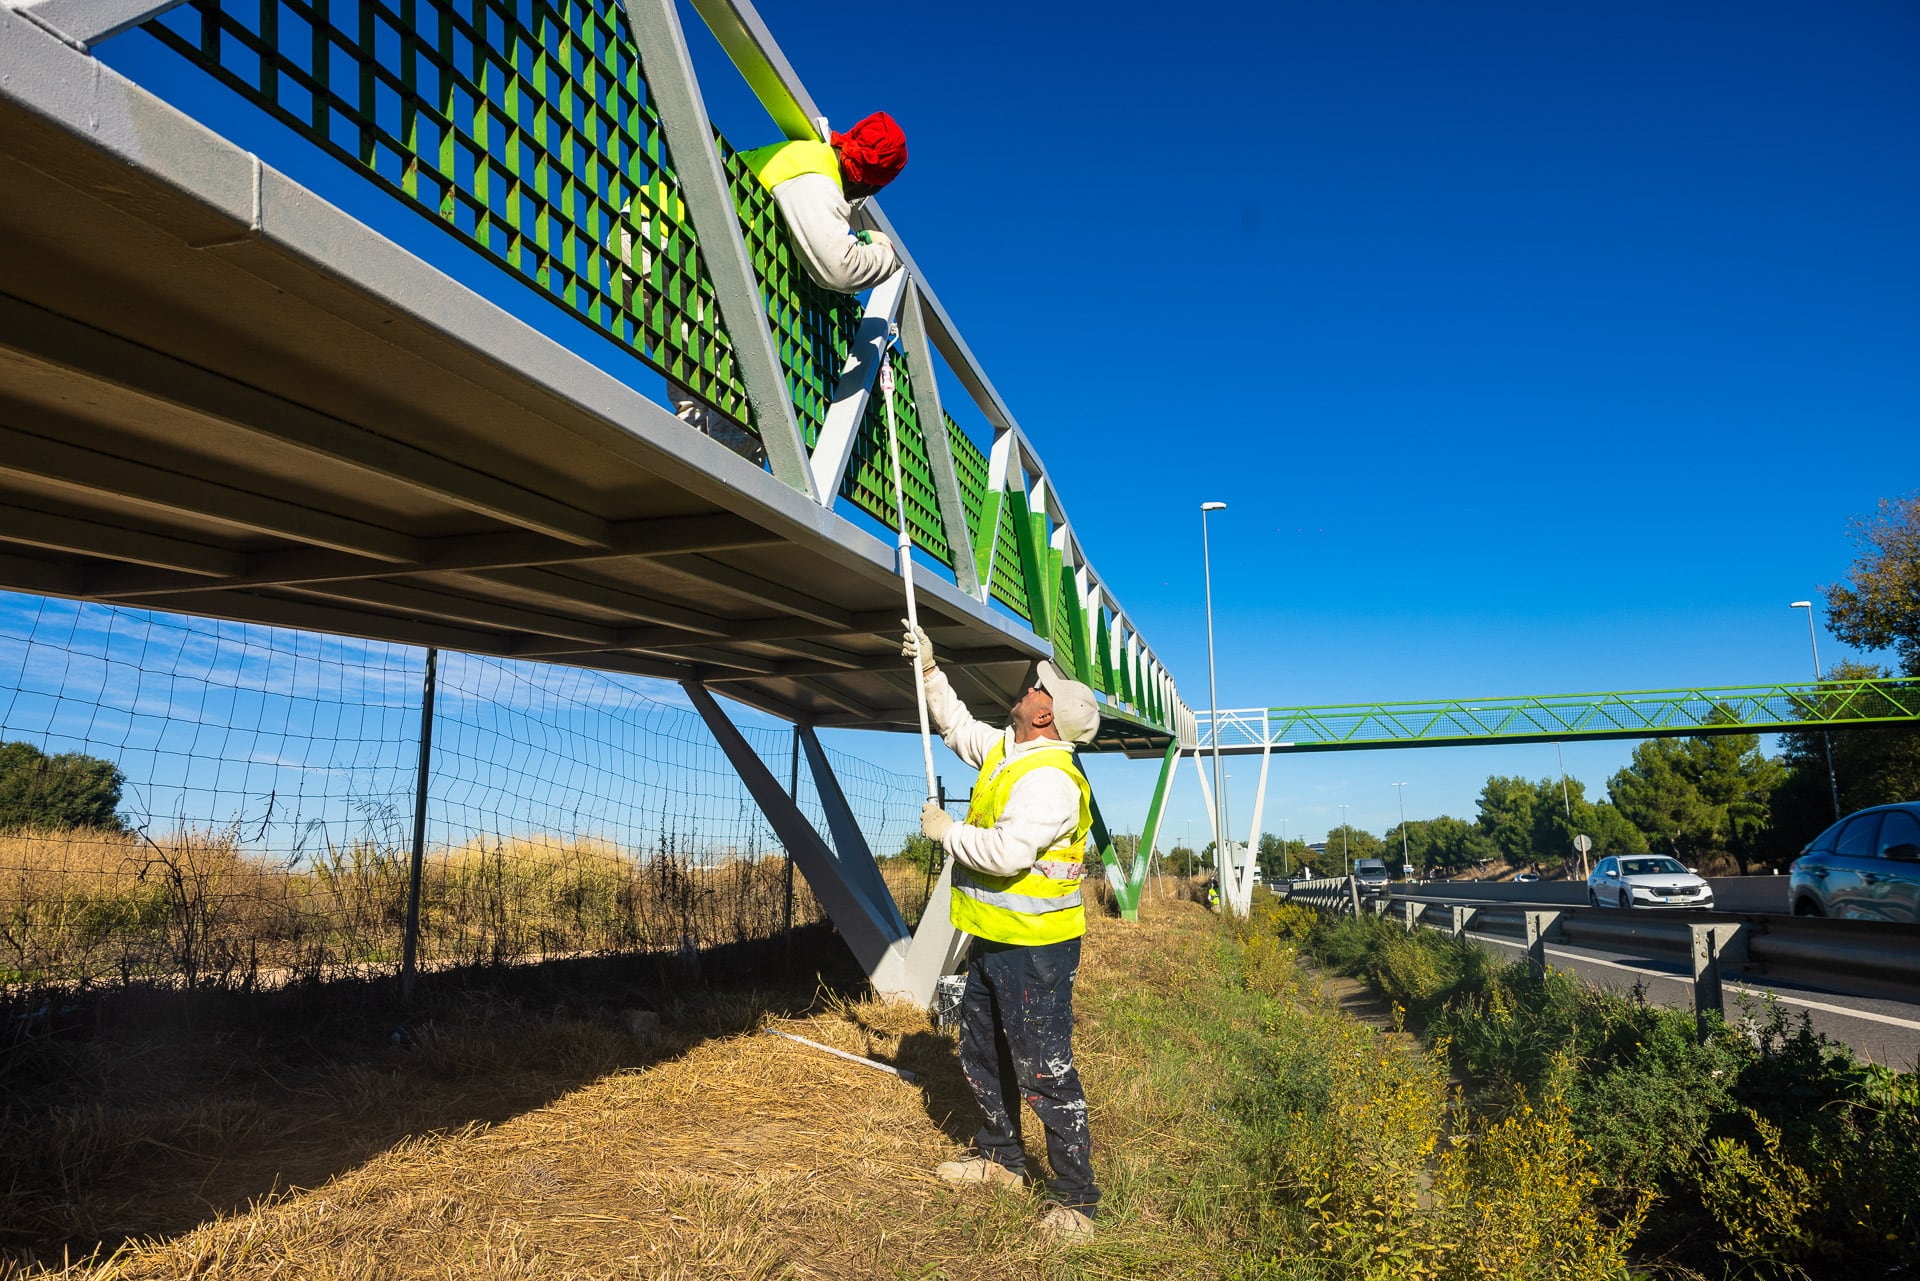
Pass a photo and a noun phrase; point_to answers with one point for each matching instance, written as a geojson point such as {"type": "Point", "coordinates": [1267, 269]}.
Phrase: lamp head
{"type": "Point", "coordinates": [1801, 604]}
{"type": "Point", "coordinates": [1213, 507]}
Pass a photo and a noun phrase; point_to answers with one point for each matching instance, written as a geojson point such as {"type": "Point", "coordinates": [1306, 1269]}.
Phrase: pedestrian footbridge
{"type": "Point", "coordinates": [223, 394]}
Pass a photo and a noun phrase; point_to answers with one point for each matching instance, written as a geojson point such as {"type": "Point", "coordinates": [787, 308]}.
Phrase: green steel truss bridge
{"type": "Point", "coordinates": [223, 394]}
{"type": "Point", "coordinates": [1558, 718]}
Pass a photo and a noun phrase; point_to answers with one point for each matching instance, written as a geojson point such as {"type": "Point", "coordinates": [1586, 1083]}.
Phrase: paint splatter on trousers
{"type": "Point", "coordinates": [1016, 1034]}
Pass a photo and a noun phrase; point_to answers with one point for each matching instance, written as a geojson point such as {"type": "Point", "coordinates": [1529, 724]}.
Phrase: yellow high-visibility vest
{"type": "Point", "coordinates": [783, 160]}
{"type": "Point", "coordinates": [1042, 904]}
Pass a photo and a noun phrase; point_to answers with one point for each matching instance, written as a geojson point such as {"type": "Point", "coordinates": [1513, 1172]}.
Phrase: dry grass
{"type": "Point", "coordinates": [199, 909]}
{"type": "Point", "coordinates": [715, 1156]}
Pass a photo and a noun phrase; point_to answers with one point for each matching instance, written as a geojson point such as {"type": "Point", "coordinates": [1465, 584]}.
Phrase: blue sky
{"type": "Point", "coordinates": [1534, 349]}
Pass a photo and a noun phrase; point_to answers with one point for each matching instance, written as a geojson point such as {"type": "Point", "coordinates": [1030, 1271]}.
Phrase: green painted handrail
{"type": "Point", "coordinates": [1657, 713]}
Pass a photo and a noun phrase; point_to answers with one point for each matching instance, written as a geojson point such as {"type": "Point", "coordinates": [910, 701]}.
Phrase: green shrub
{"type": "Point", "coordinates": [1772, 1153]}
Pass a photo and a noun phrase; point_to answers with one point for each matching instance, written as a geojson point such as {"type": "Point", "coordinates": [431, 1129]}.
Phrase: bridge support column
{"type": "Point", "coordinates": [1128, 893]}
{"type": "Point", "coordinates": [1250, 859]}
{"type": "Point", "coordinates": [902, 966]}
{"type": "Point", "coordinates": [1410, 913]}
{"type": "Point", "coordinates": [1462, 917]}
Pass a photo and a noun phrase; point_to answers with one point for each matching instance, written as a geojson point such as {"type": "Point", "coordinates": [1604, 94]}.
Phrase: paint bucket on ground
{"type": "Point", "coordinates": [947, 992]}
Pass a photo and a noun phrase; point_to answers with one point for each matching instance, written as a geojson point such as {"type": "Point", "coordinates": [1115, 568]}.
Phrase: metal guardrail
{"type": "Point", "coordinates": [1811, 948]}
{"type": "Point", "coordinates": [1339, 895]}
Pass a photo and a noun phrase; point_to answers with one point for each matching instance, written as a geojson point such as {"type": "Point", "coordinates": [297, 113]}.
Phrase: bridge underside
{"type": "Point", "coordinates": [220, 395]}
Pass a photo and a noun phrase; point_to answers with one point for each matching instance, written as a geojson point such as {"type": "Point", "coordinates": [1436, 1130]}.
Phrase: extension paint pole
{"type": "Point", "coordinates": [906, 557]}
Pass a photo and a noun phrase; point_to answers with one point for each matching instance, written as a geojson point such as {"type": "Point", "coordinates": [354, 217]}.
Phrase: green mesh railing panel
{"type": "Point", "coordinates": [1009, 580]}
{"type": "Point", "coordinates": [1067, 619]}
{"type": "Point", "coordinates": [970, 469]}
{"type": "Point", "coordinates": [813, 328]}
{"type": "Point", "coordinates": [869, 479]}
{"type": "Point", "coordinates": [523, 127]}
{"type": "Point", "coordinates": [1568, 717]}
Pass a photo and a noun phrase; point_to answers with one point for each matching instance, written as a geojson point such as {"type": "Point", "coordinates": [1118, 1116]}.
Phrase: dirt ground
{"type": "Point", "coordinates": [650, 1129]}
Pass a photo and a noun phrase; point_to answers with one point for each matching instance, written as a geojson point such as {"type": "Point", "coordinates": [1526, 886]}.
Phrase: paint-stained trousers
{"type": "Point", "coordinates": [1016, 1035]}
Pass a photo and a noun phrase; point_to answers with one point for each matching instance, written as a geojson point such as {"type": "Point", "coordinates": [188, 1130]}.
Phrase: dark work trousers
{"type": "Point", "coordinates": [1016, 1035]}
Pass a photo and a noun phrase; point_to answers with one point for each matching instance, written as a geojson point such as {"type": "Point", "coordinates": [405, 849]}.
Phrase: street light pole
{"type": "Point", "coordinates": [1826, 736]}
{"type": "Point", "coordinates": [1406, 860]}
{"type": "Point", "coordinates": [1346, 852]}
{"type": "Point", "coordinates": [1213, 698]}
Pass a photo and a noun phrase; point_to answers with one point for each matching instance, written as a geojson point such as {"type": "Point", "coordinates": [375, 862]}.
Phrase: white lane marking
{"type": "Point", "coordinates": [1781, 997]}
{"type": "Point", "coordinates": [1841, 1010]}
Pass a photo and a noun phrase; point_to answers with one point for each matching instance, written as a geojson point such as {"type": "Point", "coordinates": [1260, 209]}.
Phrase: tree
{"type": "Point", "coordinates": [1452, 843]}
{"type": "Point", "coordinates": [48, 793]}
{"type": "Point", "coordinates": [1182, 861]}
{"type": "Point", "coordinates": [1277, 859]}
{"type": "Point", "coordinates": [1507, 816]}
{"type": "Point", "coordinates": [1880, 607]}
{"type": "Point", "coordinates": [1609, 830]}
{"type": "Point", "coordinates": [1348, 842]}
{"type": "Point", "coordinates": [1700, 796]}
{"type": "Point", "coordinates": [1873, 765]}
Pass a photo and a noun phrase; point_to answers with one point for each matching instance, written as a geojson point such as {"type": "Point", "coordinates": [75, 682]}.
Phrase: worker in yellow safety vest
{"type": "Point", "coordinates": [1017, 864]}
{"type": "Point", "coordinates": [819, 188]}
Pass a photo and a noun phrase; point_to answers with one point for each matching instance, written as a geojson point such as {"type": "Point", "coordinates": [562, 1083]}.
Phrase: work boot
{"type": "Point", "coordinates": [1066, 1225]}
{"type": "Point", "coordinates": [978, 1169]}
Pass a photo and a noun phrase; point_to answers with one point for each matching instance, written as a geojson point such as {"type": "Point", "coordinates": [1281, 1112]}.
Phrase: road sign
{"type": "Point", "coordinates": [1583, 843]}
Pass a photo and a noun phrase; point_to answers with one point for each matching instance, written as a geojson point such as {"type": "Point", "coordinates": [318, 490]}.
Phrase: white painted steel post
{"type": "Point", "coordinates": [906, 562]}
{"type": "Point", "coordinates": [1243, 890]}
{"type": "Point", "coordinates": [1219, 798]}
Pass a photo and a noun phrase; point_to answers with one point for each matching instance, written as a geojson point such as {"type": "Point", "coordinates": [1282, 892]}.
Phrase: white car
{"type": "Point", "coordinates": [1647, 880]}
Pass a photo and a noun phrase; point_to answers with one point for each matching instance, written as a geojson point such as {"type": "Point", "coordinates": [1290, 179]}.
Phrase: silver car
{"type": "Point", "coordinates": [1646, 880]}
{"type": "Point", "coordinates": [1865, 866]}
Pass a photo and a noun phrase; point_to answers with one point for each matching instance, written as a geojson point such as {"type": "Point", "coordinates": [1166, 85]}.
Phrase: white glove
{"type": "Point", "coordinates": [914, 644]}
{"type": "Point", "coordinates": [935, 822]}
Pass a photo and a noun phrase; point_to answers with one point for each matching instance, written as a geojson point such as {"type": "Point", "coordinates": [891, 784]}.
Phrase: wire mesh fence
{"type": "Point", "coordinates": [205, 803]}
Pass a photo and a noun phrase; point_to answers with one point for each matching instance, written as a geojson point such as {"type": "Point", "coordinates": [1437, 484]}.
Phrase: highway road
{"type": "Point", "coordinates": [1880, 1022]}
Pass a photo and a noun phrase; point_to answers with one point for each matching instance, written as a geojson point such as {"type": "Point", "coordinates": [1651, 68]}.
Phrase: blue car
{"type": "Point", "coordinates": [1866, 866]}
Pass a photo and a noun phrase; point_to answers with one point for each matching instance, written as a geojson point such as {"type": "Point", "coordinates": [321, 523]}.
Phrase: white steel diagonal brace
{"type": "Point", "coordinates": [854, 389]}
{"type": "Point", "coordinates": [856, 858]}
{"type": "Point", "coordinates": [82, 23]}
{"type": "Point", "coordinates": [933, 426]}
{"type": "Point", "coordinates": [873, 937]}
{"type": "Point", "coordinates": [1243, 884]}
{"type": "Point", "coordinates": [683, 118]}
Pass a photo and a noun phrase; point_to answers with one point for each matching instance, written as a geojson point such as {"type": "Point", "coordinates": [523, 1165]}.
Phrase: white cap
{"type": "Point", "coordinates": [1076, 713]}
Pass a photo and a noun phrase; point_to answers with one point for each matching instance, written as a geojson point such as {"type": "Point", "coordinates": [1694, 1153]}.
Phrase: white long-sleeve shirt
{"type": "Point", "coordinates": [821, 220]}
{"type": "Point", "coordinates": [1042, 808]}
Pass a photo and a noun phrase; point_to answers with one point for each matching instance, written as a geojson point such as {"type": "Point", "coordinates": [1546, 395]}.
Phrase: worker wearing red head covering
{"type": "Point", "coordinates": [819, 188]}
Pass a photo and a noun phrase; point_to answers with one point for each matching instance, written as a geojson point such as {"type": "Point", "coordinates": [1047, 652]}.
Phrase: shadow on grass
{"type": "Point", "coordinates": [180, 1107]}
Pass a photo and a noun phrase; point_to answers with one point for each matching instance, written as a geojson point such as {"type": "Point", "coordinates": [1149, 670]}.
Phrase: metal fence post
{"type": "Point", "coordinates": [1713, 944]}
{"type": "Point", "coordinates": [410, 950]}
{"type": "Point", "coordinates": [1539, 926]}
{"type": "Point", "coordinates": [793, 790]}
